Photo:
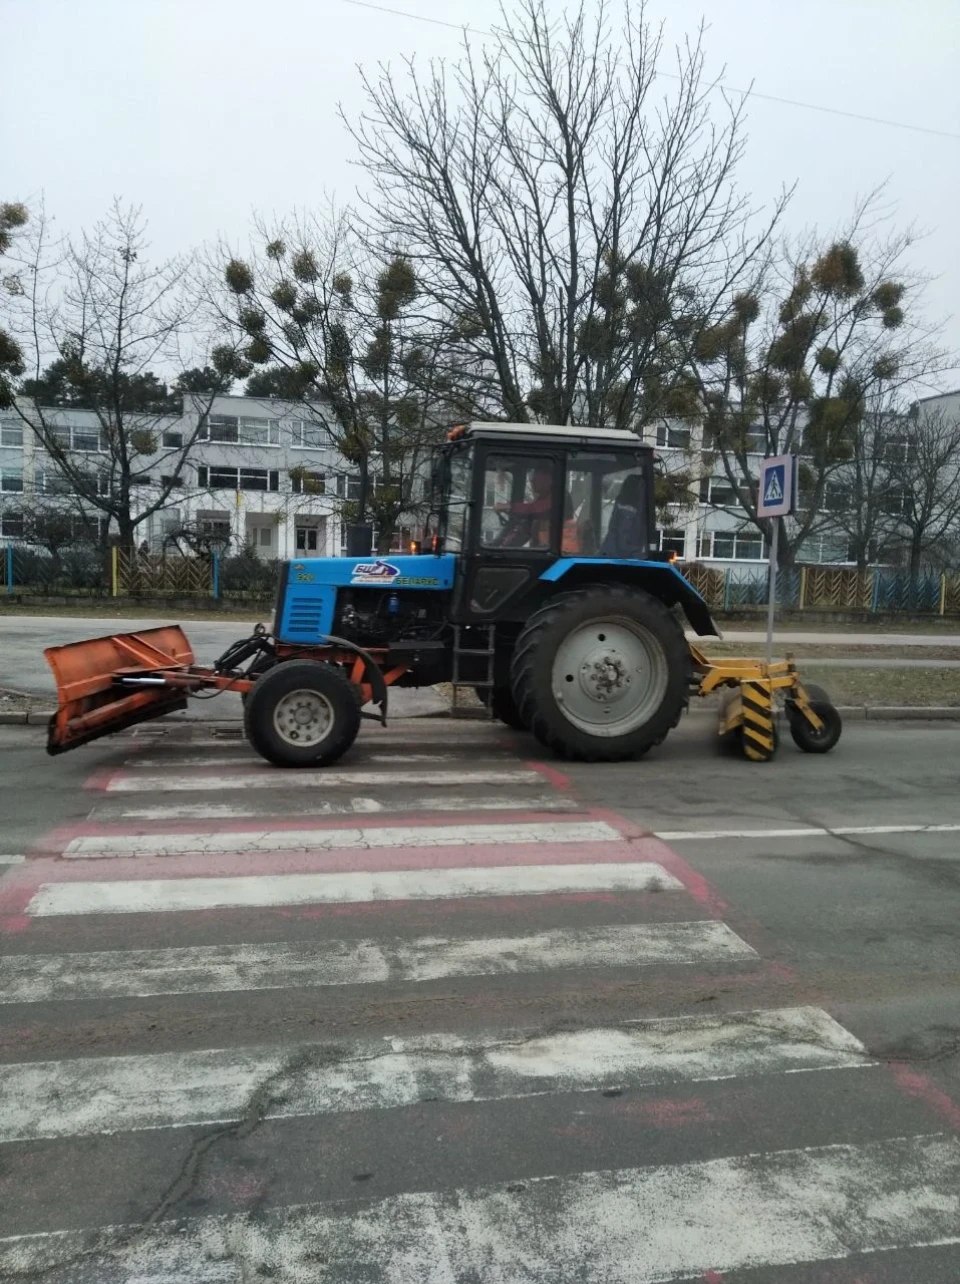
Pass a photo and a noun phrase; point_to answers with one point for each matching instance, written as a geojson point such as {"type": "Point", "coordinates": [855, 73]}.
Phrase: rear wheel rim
{"type": "Point", "coordinates": [303, 718]}
{"type": "Point", "coordinates": [609, 676]}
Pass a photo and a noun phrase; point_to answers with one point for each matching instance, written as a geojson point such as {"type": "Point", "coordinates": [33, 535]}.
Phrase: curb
{"type": "Point", "coordinates": [906, 713]}
{"type": "Point", "coordinates": [13, 719]}
{"type": "Point", "coordinates": [874, 713]}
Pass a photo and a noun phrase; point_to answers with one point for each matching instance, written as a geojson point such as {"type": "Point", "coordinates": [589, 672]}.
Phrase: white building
{"type": "Point", "coordinates": [266, 475]}
{"type": "Point", "coordinates": [260, 475]}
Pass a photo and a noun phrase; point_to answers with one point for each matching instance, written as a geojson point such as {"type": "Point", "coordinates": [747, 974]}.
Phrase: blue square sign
{"type": "Point", "coordinates": [775, 493]}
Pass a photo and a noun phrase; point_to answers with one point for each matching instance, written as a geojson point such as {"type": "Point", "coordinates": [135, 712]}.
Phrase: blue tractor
{"type": "Point", "coordinates": [539, 588]}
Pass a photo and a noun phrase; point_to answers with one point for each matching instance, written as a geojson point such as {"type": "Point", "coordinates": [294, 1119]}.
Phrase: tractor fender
{"type": "Point", "coordinates": [660, 579]}
{"type": "Point", "coordinates": [373, 674]}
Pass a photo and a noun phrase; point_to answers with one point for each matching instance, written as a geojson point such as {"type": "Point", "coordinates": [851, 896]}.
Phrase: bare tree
{"type": "Point", "coordinates": [96, 318]}
{"type": "Point", "coordinates": [862, 495]}
{"type": "Point", "coordinates": [566, 216]}
{"type": "Point", "coordinates": [924, 499]}
{"type": "Point", "coordinates": [13, 215]}
{"type": "Point", "coordinates": [794, 366]}
{"type": "Point", "coordinates": [339, 330]}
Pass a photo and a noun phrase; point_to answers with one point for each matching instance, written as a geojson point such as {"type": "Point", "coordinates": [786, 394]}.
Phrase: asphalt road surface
{"type": "Point", "coordinates": [451, 1013]}
{"type": "Point", "coordinates": [25, 637]}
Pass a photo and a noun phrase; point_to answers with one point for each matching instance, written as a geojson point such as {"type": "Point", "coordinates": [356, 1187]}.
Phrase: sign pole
{"type": "Point", "coordinates": [775, 499]}
{"type": "Point", "coordinates": [772, 590]}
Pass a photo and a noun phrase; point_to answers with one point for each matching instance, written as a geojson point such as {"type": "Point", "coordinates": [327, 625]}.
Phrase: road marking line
{"type": "Point", "coordinates": [150, 896]}
{"type": "Point", "coordinates": [116, 810]}
{"type": "Point", "coordinates": [341, 839]}
{"type": "Point", "coordinates": [41, 1100]}
{"type": "Point", "coordinates": [11, 860]}
{"type": "Point", "coordinates": [246, 757]}
{"type": "Point", "coordinates": [206, 969]}
{"type": "Point", "coordinates": [631, 1225]}
{"type": "Point", "coordinates": [808, 831]}
{"type": "Point", "coordinates": [275, 778]}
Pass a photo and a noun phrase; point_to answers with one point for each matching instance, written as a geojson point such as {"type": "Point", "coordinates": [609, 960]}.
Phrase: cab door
{"type": "Point", "coordinates": [514, 533]}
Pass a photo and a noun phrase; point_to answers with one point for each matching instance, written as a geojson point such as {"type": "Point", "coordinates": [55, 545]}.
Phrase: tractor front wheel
{"type": "Point", "coordinates": [601, 674]}
{"type": "Point", "coordinates": [302, 713]}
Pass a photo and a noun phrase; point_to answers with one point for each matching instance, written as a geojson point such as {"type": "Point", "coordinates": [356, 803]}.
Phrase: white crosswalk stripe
{"type": "Point", "coordinates": [114, 809]}
{"type": "Point", "coordinates": [762, 1207]}
{"type": "Point", "coordinates": [626, 1226]}
{"type": "Point", "coordinates": [243, 759]}
{"type": "Point", "coordinates": [139, 783]}
{"type": "Point", "coordinates": [176, 1089]}
{"type": "Point", "coordinates": [246, 842]}
{"type": "Point", "coordinates": [150, 896]}
{"type": "Point", "coordinates": [96, 974]}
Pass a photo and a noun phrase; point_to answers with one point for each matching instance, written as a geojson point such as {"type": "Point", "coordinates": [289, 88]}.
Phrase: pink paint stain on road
{"type": "Point", "coordinates": [922, 1088]}
{"type": "Point", "coordinates": [556, 778]}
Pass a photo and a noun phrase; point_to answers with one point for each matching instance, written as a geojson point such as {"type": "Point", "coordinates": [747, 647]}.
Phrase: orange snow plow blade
{"type": "Point", "coordinates": [91, 698]}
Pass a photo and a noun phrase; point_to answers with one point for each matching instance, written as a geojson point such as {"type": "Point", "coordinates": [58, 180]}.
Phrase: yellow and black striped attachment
{"type": "Point", "coordinates": [757, 714]}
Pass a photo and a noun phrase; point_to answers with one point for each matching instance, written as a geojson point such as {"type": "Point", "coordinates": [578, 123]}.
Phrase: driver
{"type": "Point", "coordinates": [528, 520]}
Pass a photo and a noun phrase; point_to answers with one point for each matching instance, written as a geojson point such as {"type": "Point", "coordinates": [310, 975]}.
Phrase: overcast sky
{"type": "Point", "coordinates": [203, 111]}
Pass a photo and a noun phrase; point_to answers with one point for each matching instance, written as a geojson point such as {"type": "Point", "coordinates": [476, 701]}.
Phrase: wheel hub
{"type": "Point", "coordinates": [604, 674]}
{"type": "Point", "coordinates": [609, 676]}
{"type": "Point", "coordinates": [303, 717]}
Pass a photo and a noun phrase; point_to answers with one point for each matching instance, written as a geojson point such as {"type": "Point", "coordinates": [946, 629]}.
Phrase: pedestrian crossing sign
{"type": "Point", "coordinates": [775, 498]}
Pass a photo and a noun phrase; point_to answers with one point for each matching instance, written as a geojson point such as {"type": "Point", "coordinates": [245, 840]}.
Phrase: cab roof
{"type": "Point", "coordinates": [566, 435]}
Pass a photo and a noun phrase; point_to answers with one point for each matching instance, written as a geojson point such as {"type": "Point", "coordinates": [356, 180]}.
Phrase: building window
{"type": "Point", "coordinates": [750, 548]}
{"type": "Point", "coordinates": [743, 546]}
{"type": "Point", "coordinates": [307, 539]}
{"type": "Point", "coordinates": [348, 487]}
{"type": "Point", "coordinates": [309, 434]}
{"type": "Point", "coordinates": [401, 540]}
{"type": "Point", "coordinates": [51, 483]}
{"type": "Point", "coordinates": [11, 479]}
{"type": "Point", "coordinates": [172, 440]}
{"type": "Point", "coordinates": [672, 541]}
{"type": "Point", "coordinates": [720, 493]}
{"type": "Point", "coordinates": [264, 536]}
{"type": "Point", "coordinates": [673, 435]}
{"type": "Point", "coordinates": [221, 428]}
{"type": "Point", "coordinates": [898, 451]}
{"type": "Point", "coordinates": [217, 477]}
{"type": "Point", "coordinates": [244, 430]}
{"type": "Point", "coordinates": [11, 525]}
{"type": "Point", "coordinates": [215, 528]}
{"type": "Point", "coordinates": [305, 482]}
{"type": "Point", "coordinates": [88, 440]}
{"type": "Point", "coordinates": [11, 435]}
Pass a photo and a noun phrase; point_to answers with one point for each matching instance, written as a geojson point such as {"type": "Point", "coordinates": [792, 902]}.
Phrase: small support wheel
{"type": "Point", "coordinates": [302, 713]}
{"type": "Point", "coordinates": [805, 736]}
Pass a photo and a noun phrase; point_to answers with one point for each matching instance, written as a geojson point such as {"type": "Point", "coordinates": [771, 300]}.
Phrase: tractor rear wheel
{"type": "Point", "coordinates": [502, 705]}
{"type": "Point", "coordinates": [601, 674]}
{"type": "Point", "coordinates": [302, 713]}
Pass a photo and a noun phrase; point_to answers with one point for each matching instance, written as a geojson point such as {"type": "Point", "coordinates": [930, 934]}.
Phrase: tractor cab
{"type": "Point", "coordinates": [518, 503]}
